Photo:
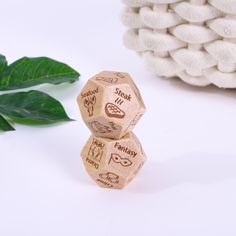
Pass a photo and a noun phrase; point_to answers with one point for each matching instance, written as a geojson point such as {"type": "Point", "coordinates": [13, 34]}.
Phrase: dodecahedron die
{"type": "Point", "coordinates": [111, 104]}
{"type": "Point", "coordinates": [113, 163]}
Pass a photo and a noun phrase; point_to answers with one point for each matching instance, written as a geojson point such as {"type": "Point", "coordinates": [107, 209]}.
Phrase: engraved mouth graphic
{"type": "Point", "coordinates": [114, 111]}
{"type": "Point", "coordinates": [109, 80]}
{"type": "Point", "coordinates": [111, 177]}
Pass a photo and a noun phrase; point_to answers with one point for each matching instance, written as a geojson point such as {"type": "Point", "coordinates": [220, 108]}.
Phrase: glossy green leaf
{"type": "Point", "coordinates": [4, 125]}
{"type": "Point", "coordinates": [32, 107]}
{"type": "Point", "coordinates": [3, 63]}
{"type": "Point", "coordinates": [27, 72]}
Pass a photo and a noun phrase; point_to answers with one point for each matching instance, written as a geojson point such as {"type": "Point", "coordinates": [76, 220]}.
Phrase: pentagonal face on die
{"type": "Point", "coordinates": [94, 154]}
{"type": "Point", "coordinates": [90, 100]}
{"type": "Point", "coordinates": [142, 107]}
{"type": "Point", "coordinates": [135, 90]}
{"type": "Point", "coordinates": [138, 145]}
{"type": "Point", "coordinates": [124, 156]}
{"type": "Point", "coordinates": [120, 105]}
{"type": "Point", "coordinates": [109, 78]}
{"type": "Point", "coordinates": [101, 126]}
{"type": "Point", "coordinates": [107, 179]}
{"type": "Point", "coordinates": [135, 172]}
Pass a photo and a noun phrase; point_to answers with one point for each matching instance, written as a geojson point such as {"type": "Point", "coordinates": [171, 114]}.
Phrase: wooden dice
{"type": "Point", "coordinates": [111, 105]}
{"type": "Point", "coordinates": [113, 163]}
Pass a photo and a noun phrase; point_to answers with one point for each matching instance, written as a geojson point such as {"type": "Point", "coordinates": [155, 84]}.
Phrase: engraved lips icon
{"type": "Point", "coordinates": [114, 111]}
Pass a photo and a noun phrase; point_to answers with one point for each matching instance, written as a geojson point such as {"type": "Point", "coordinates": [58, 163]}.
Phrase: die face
{"type": "Point", "coordinates": [108, 179]}
{"type": "Point", "coordinates": [142, 107]}
{"type": "Point", "coordinates": [138, 145]}
{"type": "Point", "coordinates": [136, 117]}
{"type": "Point", "coordinates": [121, 106]}
{"type": "Point", "coordinates": [111, 104]}
{"type": "Point", "coordinates": [102, 127]}
{"type": "Point", "coordinates": [136, 91]}
{"type": "Point", "coordinates": [94, 154]}
{"type": "Point", "coordinates": [109, 78]}
{"type": "Point", "coordinates": [134, 173]}
{"type": "Point", "coordinates": [119, 162]}
{"type": "Point", "coordinates": [124, 156]}
{"type": "Point", "coordinates": [90, 100]}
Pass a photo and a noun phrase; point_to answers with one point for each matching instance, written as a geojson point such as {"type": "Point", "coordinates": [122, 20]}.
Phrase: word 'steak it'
{"type": "Point", "coordinates": [111, 105]}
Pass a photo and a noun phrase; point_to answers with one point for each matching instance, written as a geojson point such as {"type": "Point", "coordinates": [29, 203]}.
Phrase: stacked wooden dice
{"type": "Point", "coordinates": [111, 105]}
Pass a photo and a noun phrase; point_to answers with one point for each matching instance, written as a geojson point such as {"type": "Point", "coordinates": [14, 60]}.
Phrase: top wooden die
{"type": "Point", "coordinates": [111, 104]}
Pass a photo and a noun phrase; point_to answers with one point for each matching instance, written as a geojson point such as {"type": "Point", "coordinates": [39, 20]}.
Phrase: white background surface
{"type": "Point", "coordinates": [187, 187]}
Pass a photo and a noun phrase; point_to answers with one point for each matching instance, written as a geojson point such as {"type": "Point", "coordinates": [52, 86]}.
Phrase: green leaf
{"type": "Point", "coordinates": [27, 72]}
{"type": "Point", "coordinates": [32, 107]}
{"type": "Point", "coordinates": [3, 63]}
{"type": "Point", "coordinates": [4, 125]}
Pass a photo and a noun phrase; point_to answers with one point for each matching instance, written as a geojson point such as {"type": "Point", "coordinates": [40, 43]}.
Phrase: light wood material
{"type": "Point", "coordinates": [111, 104]}
{"type": "Point", "coordinates": [113, 163]}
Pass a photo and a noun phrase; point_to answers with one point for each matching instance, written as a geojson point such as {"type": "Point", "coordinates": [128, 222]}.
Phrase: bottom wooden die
{"type": "Point", "coordinates": [113, 163]}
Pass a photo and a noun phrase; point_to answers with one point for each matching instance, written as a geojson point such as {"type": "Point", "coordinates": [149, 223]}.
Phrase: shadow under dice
{"type": "Point", "coordinates": [111, 104]}
{"type": "Point", "coordinates": [113, 163]}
